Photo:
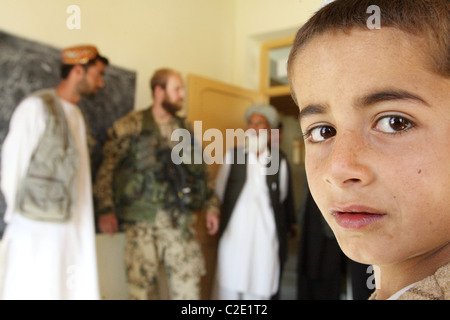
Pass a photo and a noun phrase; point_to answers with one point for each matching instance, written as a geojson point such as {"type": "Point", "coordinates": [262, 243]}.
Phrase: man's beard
{"type": "Point", "coordinates": [256, 143]}
{"type": "Point", "coordinates": [84, 90]}
{"type": "Point", "coordinates": [170, 107]}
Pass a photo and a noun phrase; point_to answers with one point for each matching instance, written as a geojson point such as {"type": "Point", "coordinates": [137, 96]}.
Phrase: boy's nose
{"type": "Point", "coordinates": [347, 163]}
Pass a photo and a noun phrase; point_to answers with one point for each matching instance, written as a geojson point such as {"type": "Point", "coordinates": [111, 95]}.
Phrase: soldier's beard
{"type": "Point", "coordinates": [171, 108]}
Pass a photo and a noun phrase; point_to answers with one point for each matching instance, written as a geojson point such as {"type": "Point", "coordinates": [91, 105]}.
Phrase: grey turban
{"type": "Point", "coordinates": [269, 112]}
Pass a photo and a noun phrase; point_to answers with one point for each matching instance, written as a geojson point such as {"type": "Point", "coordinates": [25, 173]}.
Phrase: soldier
{"type": "Point", "coordinates": [137, 187]}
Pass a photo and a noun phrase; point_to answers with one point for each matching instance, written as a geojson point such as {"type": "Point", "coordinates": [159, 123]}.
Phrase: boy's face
{"type": "Point", "coordinates": [377, 125]}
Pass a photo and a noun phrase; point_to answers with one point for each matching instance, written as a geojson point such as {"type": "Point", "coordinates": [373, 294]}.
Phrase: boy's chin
{"type": "Point", "coordinates": [365, 253]}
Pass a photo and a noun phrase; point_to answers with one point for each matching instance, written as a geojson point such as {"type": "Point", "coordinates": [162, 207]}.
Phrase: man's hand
{"type": "Point", "coordinates": [108, 223]}
{"type": "Point", "coordinates": [212, 223]}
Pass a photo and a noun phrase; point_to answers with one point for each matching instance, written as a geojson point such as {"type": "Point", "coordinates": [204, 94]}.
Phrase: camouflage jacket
{"type": "Point", "coordinates": [129, 181]}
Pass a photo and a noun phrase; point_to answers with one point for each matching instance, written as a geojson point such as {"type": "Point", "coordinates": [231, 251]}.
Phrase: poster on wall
{"type": "Point", "coordinates": [27, 66]}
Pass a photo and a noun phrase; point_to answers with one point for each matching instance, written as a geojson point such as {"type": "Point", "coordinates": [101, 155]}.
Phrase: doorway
{"type": "Point", "coordinates": [274, 83]}
{"type": "Point", "coordinates": [292, 146]}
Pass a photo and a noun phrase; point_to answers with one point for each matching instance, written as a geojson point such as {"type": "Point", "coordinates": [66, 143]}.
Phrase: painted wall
{"type": "Point", "coordinates": [219, 39]}
{"type": "Point", "coordinates": [140, 35]}
{"type": "Point", "coordinates": [257, 21]}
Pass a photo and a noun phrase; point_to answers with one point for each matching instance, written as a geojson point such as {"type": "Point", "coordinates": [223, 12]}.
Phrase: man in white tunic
{"type": "Point", "coordinates": [47, 259]}
{"type": "Point", "coordinates": [257, 211]}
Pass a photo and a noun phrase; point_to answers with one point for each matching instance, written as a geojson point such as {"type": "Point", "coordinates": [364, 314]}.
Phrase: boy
{"type": "Point", "coordinates": [375, 113]}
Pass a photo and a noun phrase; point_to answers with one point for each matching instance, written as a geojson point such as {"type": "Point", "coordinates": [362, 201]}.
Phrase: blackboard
{"type": "Point", "coordinates": [27, 66]}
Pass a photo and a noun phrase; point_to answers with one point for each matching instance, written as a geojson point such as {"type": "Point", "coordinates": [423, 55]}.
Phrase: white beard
{"type": "Point", "coordinates": [256, 143]}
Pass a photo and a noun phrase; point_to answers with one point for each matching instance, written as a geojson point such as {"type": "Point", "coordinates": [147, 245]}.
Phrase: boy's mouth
{"type": "Point", "coordinates": [355, 216]}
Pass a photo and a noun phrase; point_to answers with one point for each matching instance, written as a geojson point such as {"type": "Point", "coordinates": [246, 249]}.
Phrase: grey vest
{"type": "Point", "coordinates": [48, 190]}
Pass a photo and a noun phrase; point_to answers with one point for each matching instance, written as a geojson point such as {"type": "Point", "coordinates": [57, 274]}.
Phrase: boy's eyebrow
{"type": "Point", "coordinates": [388, 95]}
{"type": "Point", "coordinates": [366, 100]}
{"type": "Point", "coordinates": [311, 109]}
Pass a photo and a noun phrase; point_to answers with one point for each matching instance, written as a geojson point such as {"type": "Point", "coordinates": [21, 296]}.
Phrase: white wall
{"type": "Point", "coordinates": [111, 266]}
{"type": "Point", "coordinates": [139, 35]}
{"type": "Point", "coordinates": [219, 39]}
{"type": "Point", "coordinates": [258, 21]}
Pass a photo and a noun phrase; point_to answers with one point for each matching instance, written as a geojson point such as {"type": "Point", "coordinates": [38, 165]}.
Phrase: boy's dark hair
{"type": "Point", "coordinates": [427, 18]}
{"type": "Point", "coordinates": [66, 68]}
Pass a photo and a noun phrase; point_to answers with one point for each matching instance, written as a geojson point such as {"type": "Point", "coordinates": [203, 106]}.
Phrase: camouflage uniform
{"type": "Point", "coordinates": [150, 243]}
{"type": "Point", "coordinates": [129, 183]}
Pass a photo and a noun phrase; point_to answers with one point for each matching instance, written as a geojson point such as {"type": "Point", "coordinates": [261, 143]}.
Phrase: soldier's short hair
{"type": "Point", "coordinates": [160, 78]}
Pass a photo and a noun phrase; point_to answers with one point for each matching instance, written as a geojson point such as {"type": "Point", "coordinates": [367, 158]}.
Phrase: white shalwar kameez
{"type": "Point", "coordinates": [248, 264]}
{"type": "Point", "coordinates": [45, 260]}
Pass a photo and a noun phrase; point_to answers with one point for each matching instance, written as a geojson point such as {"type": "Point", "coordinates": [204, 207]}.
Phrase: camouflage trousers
{"type": "Point", "coordinates": [150, 245]}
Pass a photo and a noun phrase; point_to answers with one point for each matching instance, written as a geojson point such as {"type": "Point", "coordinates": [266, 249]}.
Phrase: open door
{"type": "Point", "coordinates": [218, 106]}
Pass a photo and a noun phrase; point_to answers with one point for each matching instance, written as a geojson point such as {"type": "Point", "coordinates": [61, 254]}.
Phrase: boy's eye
{"type": "Point", "coordinates": [393, 124]}
{"type": "Point", "coordinates": [320, 133]}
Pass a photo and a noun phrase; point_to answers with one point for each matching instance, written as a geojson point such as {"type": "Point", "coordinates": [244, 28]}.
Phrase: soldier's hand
{"type": "Point", "coordinates": [212, 223]}
{"type": "Point", "coordinates": [108, 223]}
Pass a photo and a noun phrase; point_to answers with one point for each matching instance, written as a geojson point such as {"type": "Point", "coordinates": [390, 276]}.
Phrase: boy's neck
{"type": "Point", "coordinates": [395, 277]}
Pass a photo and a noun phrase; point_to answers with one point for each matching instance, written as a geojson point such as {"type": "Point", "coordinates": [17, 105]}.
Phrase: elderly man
{"type": "Point", "coordinates": [257, 210]}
